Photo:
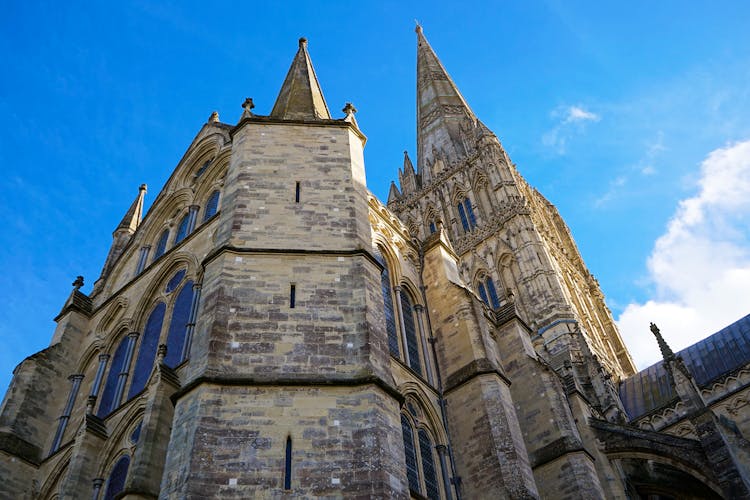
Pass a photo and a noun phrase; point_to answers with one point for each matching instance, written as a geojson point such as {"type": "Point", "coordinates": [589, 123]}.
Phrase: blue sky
{"type": "Point", "coordinates": [633, 118]}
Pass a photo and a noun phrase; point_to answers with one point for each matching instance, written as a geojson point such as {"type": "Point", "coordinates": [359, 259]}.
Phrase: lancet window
{"type": "Point", "coordinates": [390, 315]}
{"type": "Point", "coordinates": [488, 293]}
{"type": "Point", "coordinates": [466, 213]}
{"type": "Point", "coordinates": [212, 206]}
{"type": "Point", "coordinates": [182, 229]}
{"type": "Point", "coordinates": [161, 246]}
{"type": "Point", "coordinates": [117, 476]}
{"type": "Point", "coordinates": [422, 465]}
{"type": "Point", "coordinates": [181, 316]}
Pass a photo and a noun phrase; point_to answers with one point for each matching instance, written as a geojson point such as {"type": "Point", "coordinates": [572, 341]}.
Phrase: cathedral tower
{"type": "Point", "coordinates": [270, 329]}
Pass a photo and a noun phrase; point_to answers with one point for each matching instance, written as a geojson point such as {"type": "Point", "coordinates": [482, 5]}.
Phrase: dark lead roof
{"type": "Point", "coordinates": [708, 360]}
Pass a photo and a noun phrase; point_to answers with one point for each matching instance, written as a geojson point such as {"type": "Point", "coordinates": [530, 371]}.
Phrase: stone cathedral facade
{"type": "Point", "coordinates": [270, 329]}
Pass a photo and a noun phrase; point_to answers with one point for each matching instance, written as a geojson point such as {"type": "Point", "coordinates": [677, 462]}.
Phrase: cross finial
{"type": "Point", "coordinates": [349, 109]}
{"type": "Point", "coordinates": [247, 106]}
{"type": "Point", "coordinates": [78, 283]}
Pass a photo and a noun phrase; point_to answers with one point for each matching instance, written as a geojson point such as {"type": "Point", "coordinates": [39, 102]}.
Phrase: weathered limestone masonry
{"type": "Point", "coordinates": [270, 329]}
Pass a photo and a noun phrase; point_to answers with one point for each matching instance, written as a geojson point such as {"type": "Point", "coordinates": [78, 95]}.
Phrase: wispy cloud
{"type": "Point", "coordinates": [700, 266]}
{"type": "Point", "coordinates": [571, 120]}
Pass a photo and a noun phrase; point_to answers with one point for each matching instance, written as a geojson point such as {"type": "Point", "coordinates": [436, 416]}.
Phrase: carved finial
{"type": "Point", "coordinates": [418, 29]}
{"type": "Point", "coordinates": [78, 283]}
{"type": "Point", "coordinates": [303, 42]}
{"type": "Point", "coordinates": [247, 106]}
{"type": "Point", "coordinates": [214, 117]}
{"type": "Point", "coordinates": [161, 353]}
{"type": "Point", "coordinates": [349, 109]}
{"type": "Point", "coordinates": [142, 187]}
{"type": "Point", "coordinates": [666, 351]}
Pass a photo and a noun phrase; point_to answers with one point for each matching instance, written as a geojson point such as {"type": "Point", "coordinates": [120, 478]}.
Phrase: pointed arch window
{"type": "Point", "coordinates": [182, 229]}
{"type": "Point", "coordinates": [116, 480]}
{"type": "Point", "coordinates": [118, 367]}
{"type": "Point", "coordinates": [178, 326]}
{"type": "Point", "coordinates": [433, 227]}
{"type": "Point", "coordinates": [429, 473]}
{"type": "Point", "coordinates": [147, 350]}
{"type": "Point", "coordinates": [466, 213]}
{"type": "Point", "coordinates": [410, 332]}
{"type": "Point", "coordinates": [212, 206]}
{"type": "Point", "coordinates": [410, 453]}
{"type": "Point", "coordinates": [161, 246]}
{"type": "Point", "coordinates": [390, 315]}
{"type": "Point", "coordinates": [419, 453]}
{"type": "Point", "coordinates": [488, 293]}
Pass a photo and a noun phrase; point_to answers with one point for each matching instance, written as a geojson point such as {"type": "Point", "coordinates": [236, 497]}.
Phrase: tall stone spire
{"type": "Point", "coordinates": [300, 97]}
{"type": "Point", "coordinates": [442, 111]}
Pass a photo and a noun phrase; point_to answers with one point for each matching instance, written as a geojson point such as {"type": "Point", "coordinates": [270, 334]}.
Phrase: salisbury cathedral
{"type": "Point", "coordinates": [270, 329]}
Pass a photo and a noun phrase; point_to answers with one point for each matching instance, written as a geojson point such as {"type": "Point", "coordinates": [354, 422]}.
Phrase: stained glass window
{"type": "Point", "coordinates": [178, 325]}
{"type": "Point", "coordinates": [212, 205]}
{"type": "Point", "coordinates": [428, 466]}
{"type": "Point", "coordinates": [412, 473]}
{"type": "Point", "coordinates": [107, 403]}
{"type": "Point", "coordinates": [410, 332]}
{"type": "Point", "coordinates": [390, 316]}
{"type": "Point", "coordinates": [147, 351]}
{"type": "Point", "coordinates": [175, 281]}
{"type": "Point", "coordinates": [494, 301]}
{"type": "Point", "coordinates": [182, 229]}
{"type": "Point", "coordinates": [161, 246]}
{"type": "Point", "coordinates": [116, 481]}
{"type": "Point", "coordinates": [466, 213]}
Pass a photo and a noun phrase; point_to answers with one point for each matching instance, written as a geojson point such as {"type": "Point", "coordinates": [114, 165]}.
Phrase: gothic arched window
{"type": "Point", "coordinates": [110, 400]}
{"type": "Point", "coordinates": [212, 205]}
{"type": "Point", "coordinates": [488, 293]}
{"type": "Point", "coordinates": [182, 229]}
{"type": "Point", "coordinates": [147, 351]}
{"type": "Point", "coordinates": [178, 325]}
{"type": "Point", "coordinates": [390, 315]}
{"type": "Point", "coordinates": [161, 246]}
{"type": "Point", "coordinates": [410, 453]}
{"type": "Point", "coordinates": [410, 332]}
{"type": "Point", "coordinates": [419, 452]}
{"type": "Point", "coordinates": [429, 473]}
{"type": "Point", "coordinates": [116, 480]}
{"type": "Point", "coordinates": [466, 213]}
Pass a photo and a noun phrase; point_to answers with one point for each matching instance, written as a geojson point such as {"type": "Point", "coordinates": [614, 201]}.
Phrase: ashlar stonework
{"type": "Point", "coordinates": [270, 329]}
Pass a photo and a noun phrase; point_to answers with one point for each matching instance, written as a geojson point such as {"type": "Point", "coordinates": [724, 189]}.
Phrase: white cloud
{"type": "Point", "coordinates": [700, 266]}
{"type": "Point", "coordinates": [578, 114]}
{"type": "Point", "coordinates": [570, 121]}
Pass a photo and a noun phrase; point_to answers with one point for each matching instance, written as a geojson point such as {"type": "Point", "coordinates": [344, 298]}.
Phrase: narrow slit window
{"type": "Point", "coordinates": [292, 295]}
{"type": "Point", "coordinates": [296, 192]}
{"type": "Point", "coordinates": [288, 464]}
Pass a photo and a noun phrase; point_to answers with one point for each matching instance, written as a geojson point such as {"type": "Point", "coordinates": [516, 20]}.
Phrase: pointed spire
{"type": "Point", "coordinates": [666, 351]}
{"type": "Point", "coordinates": [133, 216]}
{"type": "Point", "coordinates": [441, 109]}
{"type": "Point", "coordinates": [407, 163]}
{"type": "Point", "coordinates": [300, 97]}
{"type": "Point", "coordinates": [393, 194]}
